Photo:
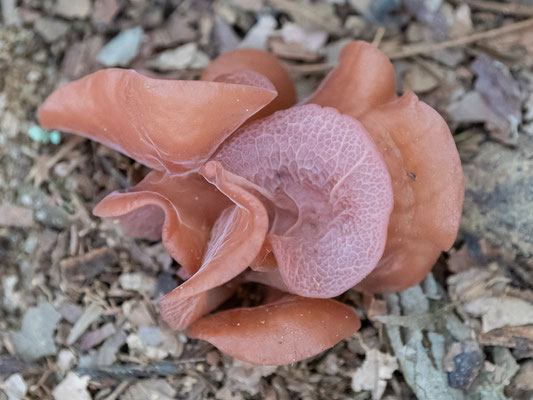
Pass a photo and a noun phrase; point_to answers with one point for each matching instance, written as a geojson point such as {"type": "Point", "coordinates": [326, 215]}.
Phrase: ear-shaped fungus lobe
{"type": "Point", "coordinates": [260, 62]}
{"type": "Point", "coordinates": [330, 191]}
{"type": "Point", "coordinates": [421, 158]}
{"type": "Point", "coordinates": [167, 125]}
{"type": "Point", "coordinates": [363, 79]}
{"type": "Point", "coordinates": [236, 238]}
{"type": "Point", "coordinates": [180, 209]}
{"type": "Point", "coordinates": [288, 330]}
{"type": "Point", "coordinates": [427, 180]}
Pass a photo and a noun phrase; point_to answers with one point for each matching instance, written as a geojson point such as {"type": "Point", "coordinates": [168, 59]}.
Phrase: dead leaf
{"type": "Point", "coordinates": [499, 90]}
{"type": "Point", "coordinates": [472, 108]}
{"type": "Point", "coordinates": [421, 365]}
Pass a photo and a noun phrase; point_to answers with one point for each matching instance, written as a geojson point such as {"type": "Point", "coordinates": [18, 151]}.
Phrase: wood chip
{"type": "Point", "coordinates": [91, 314]}
{"type": "Point", "coordinates": [11, 215]}
{"type": "Point", "coordinates": [97, 336]}
{"type": "Point", "coordinates": [509, 336]}
{"type": "Point", "coordinates": [89, 264]}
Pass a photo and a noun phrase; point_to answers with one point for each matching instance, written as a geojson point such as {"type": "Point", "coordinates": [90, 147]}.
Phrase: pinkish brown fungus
{"type": "Point", "coordinates": [356, 188]}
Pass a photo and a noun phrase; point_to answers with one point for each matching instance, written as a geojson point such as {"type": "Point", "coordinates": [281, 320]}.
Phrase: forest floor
{"type": "Point", "coordinates": [78, 299]}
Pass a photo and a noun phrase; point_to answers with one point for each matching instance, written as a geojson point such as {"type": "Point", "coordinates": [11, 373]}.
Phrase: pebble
{"type": "Point", "coordinates": [156, 389]}
{"type": "Point", "coordinates": [138, 282]}
{"type": "Point", "coordinates": [122, 49]}
{"type": "Point", "coordinates": [257, 37]}
{"type": "Point", "coordinates": [73, 8]}
{"type": "Point", "coordinates": [12, 298]}
{"type": "Point", "coordinates": [50, 29]}
{"type": "Point", "coordinates": [104, 11]}
{"type": "Point", "coordinates": [35, 339]}
{"type": "Point", "coordinates": [165, 284]}
{"type": "Point", "coordinates": [72, 387]}
{"type": "Point", "coordinates": [182, 57]}
{"type": "Point", "coordinates": [65, 359]}
{"type": "Point", "coordinates": [15, 388]}
{"type": "Point", "coordinates": [52, 216]}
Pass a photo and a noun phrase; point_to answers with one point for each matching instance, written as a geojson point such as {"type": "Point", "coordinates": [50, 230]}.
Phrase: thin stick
{"type": "Point", "coordinates": [118, 390]}
{"type": "Point", "coordinates": [417, 49]}
{"type": "Point", "coordinates": [122, 372]}
{"type": "Point", "coordinates": [40, 170]}
{"type": "Point", "coordinates": [379, 35]}
{"type": "Point", "coordinates": [502, 8]}
{"type": "Point", "coordinates": [308, 68]}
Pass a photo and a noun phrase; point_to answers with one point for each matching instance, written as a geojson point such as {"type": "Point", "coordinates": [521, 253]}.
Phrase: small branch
{"type": "Point", "coordinates": [39, 172]}
{"type": "Point", "coordinates": [118, 390]}
{"type": "Point", "coordinates": [424, 48]}
{"type": "Point", "coordinates": [501, 8]}
{"type": "Point", "coordinates": [133, 371]}
{"type": "Point", "coordinates": [318, 68]}
{"type": "Point", "coordinates": [379, 36]}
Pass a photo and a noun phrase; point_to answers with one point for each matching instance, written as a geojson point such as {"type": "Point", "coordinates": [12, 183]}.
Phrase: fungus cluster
{"type": "Point", "coordinates": [353, 188]}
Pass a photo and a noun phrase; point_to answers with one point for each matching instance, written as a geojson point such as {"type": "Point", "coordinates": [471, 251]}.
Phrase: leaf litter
{"type": "Point", "coordinates": [91, 293]}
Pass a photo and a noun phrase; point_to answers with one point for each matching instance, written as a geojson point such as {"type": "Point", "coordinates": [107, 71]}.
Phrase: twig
{"type": "Point", "coordinates": [502, 8]}
{"type": "Point", "coordinates": [417, 49]}
{"type": "Point", "coordinates": [118, 390]}
{"type": "Point", "coordinates": [40, 170]}
{"type": "Point", "coordinates": [379, 35]}
{"type": "Point", "coordinates": [308, 68]}
{"type": "Point", "coordinates": [131, 371]}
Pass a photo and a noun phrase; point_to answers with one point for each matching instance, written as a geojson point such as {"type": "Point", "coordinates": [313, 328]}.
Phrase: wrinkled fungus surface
{"type": "Point", "coordinates": [354, 188]}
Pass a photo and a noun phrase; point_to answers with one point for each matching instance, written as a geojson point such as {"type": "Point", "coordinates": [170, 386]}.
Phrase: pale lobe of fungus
{"type": "Point", "coordinates": [327, 191]}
